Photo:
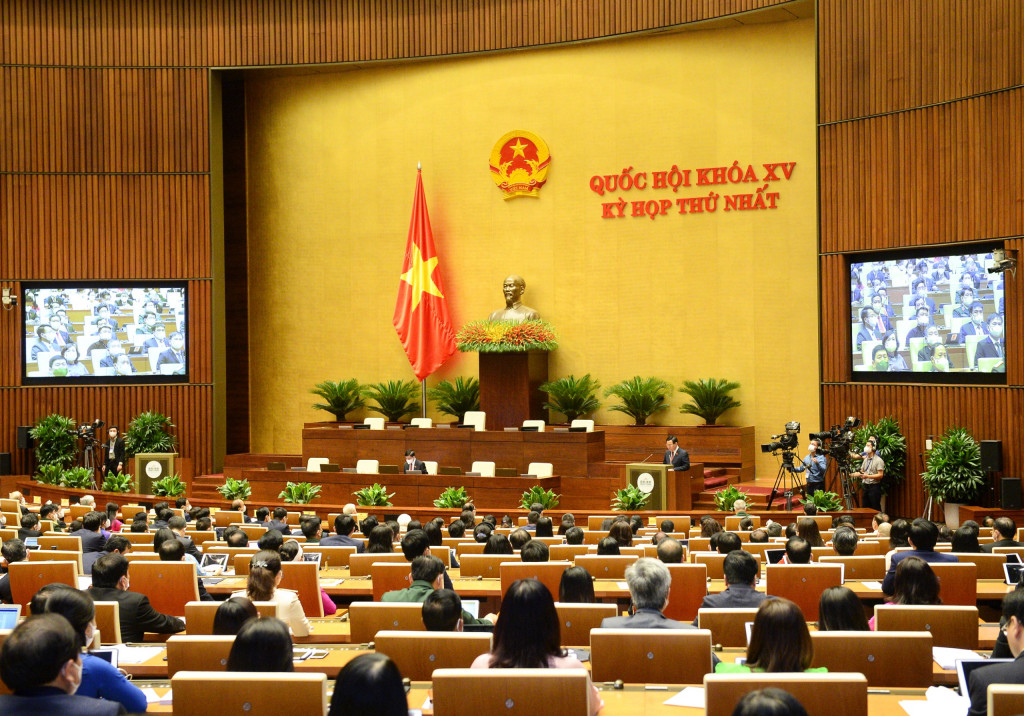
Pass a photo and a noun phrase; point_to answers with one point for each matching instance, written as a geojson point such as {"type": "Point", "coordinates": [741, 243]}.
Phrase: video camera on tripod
{"type": "Point", "coordinates": [87, 431]}
{"type": "Point", "coordinates": [786, 442]}
{"type": "Point", "coordinates": [836, 443]}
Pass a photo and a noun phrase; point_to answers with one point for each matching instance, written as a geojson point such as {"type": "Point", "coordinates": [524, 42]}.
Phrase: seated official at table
{"type": "Point", "coordinates": [110, 584]}
{"type": "Point", "coordinates": [993, 345]}
{"type": "Point", "coordinates": [649, 582]}
{"type": "Point", "coordinates": [1009, 673]}
{"type": "Point", "coordinates": [675, 455]}
{"type": "Point", "coordinates": [922, 538]}
{"type": "Point", "coordinates": [779, 641]}
{"type": "Point", "coordinates": [427, 572]}
{"type": "Point", "coordinates": [411, 464]}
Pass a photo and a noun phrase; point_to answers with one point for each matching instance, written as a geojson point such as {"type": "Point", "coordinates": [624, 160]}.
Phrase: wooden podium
{"type": "Point", "coordinates": [672, 489]}
{"type": "Point", "coordinates": [510, 387]}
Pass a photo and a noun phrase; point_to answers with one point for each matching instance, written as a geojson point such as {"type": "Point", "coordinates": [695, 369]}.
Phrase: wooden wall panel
{"type": "Point", "coordinates": [878, 56]}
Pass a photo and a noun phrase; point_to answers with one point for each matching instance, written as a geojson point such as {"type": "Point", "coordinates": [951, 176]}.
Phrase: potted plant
{"type": "Point", "coordinates": [727, 496]}
{"type": "Point", "coordinates": [571, 396]}
{"type": "Point", "coordinates": [457, 397]}
{"type": "Point", "coordinates": [538, 495]}
{"type": "Point", "coordinates": [51, 474]}
{"type": "Point", "coordinates": [709, 398]}
{"type": "Point", "coordinates": [149, 432]}
{"type": "Point", "coordinates": [374, 496]}
{"type": "Point", "coordinates": [506, 337]}
{"type": "Point", "coordinates": [452, 498]}
{"type": "Point", "coordinates": [56, 441]}
{"type": "Point", "coordinates": [77, 477]}
{"type": "Point", "coordinates": [170, 486]}
{"type": "Point", "coordinates": [892, 448]}
{"type": "Point", "coordinates": [630, 498]}
{"type": "Point", "coordinates": [118, 482]}
{"type": "Point", "coordinates": [640, 397]}
{"type": "Point", "coordinates": [395, 398]}
{"type": "Point", "coordinates": [824, 501]}
{"type": "Point", "coordinates": [339, 398]}
{"type": "Point", "coordinates": [233, 489]}
{"type": "Point", "coordinates": [953, 474]}
{"type": "Point", "coordinates": [300, 493]}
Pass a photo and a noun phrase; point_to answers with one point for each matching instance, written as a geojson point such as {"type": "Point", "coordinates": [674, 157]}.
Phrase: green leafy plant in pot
{"type": "Point", "coordinates": [233, 489]}
{"type": "Point", "coordinates": [629, 498]}
{"type": "Point", "coordinates": [709, 398]}
{"type": "Point", "coordinates": [149, 432]}
{"type": "Point", "coordinates": [727, 496]}
{"type": "Point", "coordinates": [452, 498]}
{"type": "Point", "coordinates": [953, 473]}
{"type": "Point", "coordinates": [170, 486]}
{"type": "Point", "coordinates": [300, 493]}
{"type": "Point", "coordinates": [56, 441]}
{"type": "Point", "coordinates": [395, 398]}
{"type": "Point", "coordinates": [118, 482]}
{"type": "Point", "coordinates": [339, 398]}
{"type": "Point", "coordinates": [456, 398]}
{"type": "Point", "coordinates": [824, 501]}
{"type": "Point", "coordinates": [374, 496]}
{"type": "Point", "coordinates": [79, 478]}
{"type": "Point", "coordinates": [640, 398]}
{"type": "Point", "coordinates": [571, 396]}
{"type": "Point", "coordinates": [539, 495]}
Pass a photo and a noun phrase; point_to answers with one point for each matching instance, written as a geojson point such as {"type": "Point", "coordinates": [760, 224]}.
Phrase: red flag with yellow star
{"type": "Point", "coordinates": [421, 312]}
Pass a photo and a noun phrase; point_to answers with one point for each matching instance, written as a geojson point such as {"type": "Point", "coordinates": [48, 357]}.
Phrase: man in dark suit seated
{"type": "Point", "coordinates": [176, 354]}
{"type": "Point", "coordinates": [670, 551]}
{"type": "Point", "coordinates": [427, 573]}
{"type": "Point", "coordinates": [262, 517]}
{"type": "Point", "coordinates": [344, 525]}
{"type": "Point", "coordinates": [12, 551]}
{"type": "Point", "coordinates": [30, 527]}
{"type": "Point", "coordinates": [239, 506]}
{"type": "Point", "coordinates": [740, 581]}
{"type": "Point", "coordinates": [92, 539]}
{"type": "Point", "coordinates": [280, 521]}
{"type": "Point", "coordinates": [1011, 673]}
{"type": "Point", "coordinates": [675, 455]}
{"type": "Point", "coordinates": [110, 584]}
{"type": "Point", "coordinates": [40, 663]}
{"type": "Point", "coordinates": [115, 544]}
{"type": "Point", "coordinates": [172, 550]}
{"type": "Point", "coordinates": [177, 525]}
{"type": "Point", "coordinates": [1004, 532]}
{"type": "Point", "coordinates": [411, 464]}
{"type": "Point", "coordinates": [649, 581]}
{"type": "Point", "coordinates": [993, 345]}
{"type": "Point", "coordinates": [922, 537]}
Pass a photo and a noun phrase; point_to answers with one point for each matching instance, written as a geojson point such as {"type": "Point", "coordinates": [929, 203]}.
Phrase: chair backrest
{"type": "Point", "coordinates": [605, 567]}
{"type": "Point", "coordinates": [732, 522]}
{"type": "Point", "coordinates": [389, 576]}
{"type": "Point", "coordinates": [53, 555]}
{"type": "Point", "coordinates": [581, 423]}
{"type": "Point", "coordinates": [540, 469]}
{"type": "Point", "coordinates": [198, 653]}
{"type": "Point", "coordinates": [201, 537]}
{"type": "Point", "coordinates": [199, 616]}
{"type": "Point", "coordinates": [359, 564]}
{"type": "Point", "coordinates": [958, 582]}
{"type": "Point", "coordinates": [108, 621]}
{"type": "Point", "coordinates": [1005, 699]}
{"type": "Point", "coordinates": [549, 573]}
{"type": "Point", "coordinates": [313, 464]}
{"type": "Point", "coordinates": [716, 563]}
{"type": "Point", "coordinates": [27, 578]}
{"type": "Point", "coordinates": [888, 659]}
{"type": "Point", "coordinates": [840, 694]}
{"type": "Point", "coordinates": [476, 418]}
{"type": "Point", "coordinates": [169, 585]}
{"type": "Point", "coordinates": [304, 578]}
{"type": "Point", "coordinates": [990, 566]}
{"type": "Point", "coordinates": [688, 589]}
{"type": "Point", "coordinates": [567, 552]}
{"type": "Point", "coordinates": [802, 583]}
{"type": "Point", "coordinates": [418, 653]}
{"type": "Point", "coordinates": [699, 544]}
{"type": "Point", "coordinates": [431, 466]}
{"type": "Point", "coordinates": [422, 423]}
{"type": "Point", "coordinates": [9, 505]}
{"type": "Point", "coordinates": [254, 694]}
{"type": "Point", "coordinates": [462, 548]}
{"type": "Point", "coordinates": [76, 512]}
{"type": "Point", "coordinates": [576, 620]}
{"type": "Point", "coordinates": [139, 540]}
{"type": "Point", "coordinates": [658, 656]}
{"type": "Point", "coordinates": [66, 543]}
{"type": "Point", "coordinates": [484, 467]}
{"type": "Point", "coordinates": [539, 424]}
{"type": "Point", "coordinates": [485, 565]}
{"type": "Point", "coordinates": [952, 626]}
{"type": "Point", "coordinates": [859, 568]}
{"type": "Point", "coordinates": [512, 692]}
{"type": "Point", "coordinates": [332, 556]}
{"type": "Point", "coordinates": [594, 522]}
{"type": "Point", "coordinates": [368, 618]}
{"type": "Point", "coordinates": [727, 626]}
{"type": "Point", "coordinates": [374, 423]}
{"type": "Point", "coordinates": [368, 467]}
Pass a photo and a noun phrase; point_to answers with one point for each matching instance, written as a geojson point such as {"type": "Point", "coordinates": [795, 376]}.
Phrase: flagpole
{"type": "Point", "coordinates": [423, 402]}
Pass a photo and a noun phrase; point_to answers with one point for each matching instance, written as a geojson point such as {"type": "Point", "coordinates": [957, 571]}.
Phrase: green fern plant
{"type": "Point", "coordinates": [170, 486]}
{"type": "Point", "coordinates": [953, 467]}
{"type": "Point", "coordinates": [452, 497]}
{"type": "Point", "coordinates": [710, 398]}
{"type": "Point", "coordinates": [300, 493]}
{"type": "Point", "coordinates": [571, 396]}
{"type": "Point", "coordinates": [630, 498]}
{"type": "Point", "coordinates": [56, 441]}
{"type": "Point", "coordinates": [374, 496]}
{"type": "Point", "coordinates": [726, 497]}
{"type": "Point", "coordinates": [50, 474]}
{"type": "Point", "coordinates": [824, 501]}
{"type": "Point", "coordinates": [115, 482]}
{"type": "Point", "coordinates": [339, 398]}
{"type": "Point", "coordinates": [640, 397]}
{"type": "Point", "coordinates": [539, 495]}
{"type": "Point", "coordinates": [79, 478]}
{"type": "Point", "coordinates": [457, 397]}
{"type": "Point", "coordinates": [149, 432]}
{"type": "Point", "coordinates": [395, 398]}
{"type": "Point", "coordinates": [233, 489]}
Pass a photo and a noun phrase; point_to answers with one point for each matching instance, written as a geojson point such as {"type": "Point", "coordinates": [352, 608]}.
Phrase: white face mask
{"type": "Point", "coordinates": [811, 448]}
{"type": "Point", "coordinates": [942, 364]}
{"type": "Point", "coordinates": [74, 676]}
{"type": "Point", "coordinates": [995, 330]}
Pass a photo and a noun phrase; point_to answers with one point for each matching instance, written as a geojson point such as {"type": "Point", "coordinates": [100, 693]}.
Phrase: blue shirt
{"type": "Point", "coordinates": [100, 680]}
{"type": "Point", "coordinates": [815, 466]}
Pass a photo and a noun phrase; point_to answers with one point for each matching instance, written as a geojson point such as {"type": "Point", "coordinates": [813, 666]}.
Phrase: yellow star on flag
{"type": "Point", "coordinates": [419, 276]}
{"type": "Point", "coordinates": [518, 148]}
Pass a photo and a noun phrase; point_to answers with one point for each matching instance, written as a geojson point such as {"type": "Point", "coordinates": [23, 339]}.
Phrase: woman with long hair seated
{"type": "Point", "coordinates": [839, 609]}
{"type": "Point", "coordinates": [369, 684]}
{"type": "Point", "coordinates": [576, 586]}
{"type": "Point", "coordinates": [915, 582]}
{"type": "Point", "coordinates": [779, 641]}
{"type": "Point", "coordinates": [262, 644]}
{"type": "Point", "coordinates": [807, 527]}
{"type": "Point", "coordinates": [264, 577]}
{"type": "Point", "coordinates": [527, 635]}
{"type": "Point", "coordinates": [232, 614]}
{"type": "Point", "coordinates": [380, 540]}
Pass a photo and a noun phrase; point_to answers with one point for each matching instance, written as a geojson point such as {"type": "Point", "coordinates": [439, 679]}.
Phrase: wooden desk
{"type": "Point", "coordinates": [337, 657]}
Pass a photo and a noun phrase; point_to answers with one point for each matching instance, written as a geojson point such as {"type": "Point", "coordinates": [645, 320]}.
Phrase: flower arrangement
{"type": "Point", "coordinates": [506, 336]}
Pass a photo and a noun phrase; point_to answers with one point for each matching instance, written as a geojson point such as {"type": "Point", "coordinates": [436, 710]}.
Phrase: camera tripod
{"type": "Point", "coordinates": [787, 484]}
{"type": "Point", "coordinates": [89, 457]}
{"type": "Point", "coordinates": [846, 482]}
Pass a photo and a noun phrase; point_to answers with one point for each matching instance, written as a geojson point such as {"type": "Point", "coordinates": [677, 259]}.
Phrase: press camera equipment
{"type": "Point", "coordinates": [836, 443]}
{"type": "Point", "coordinates": [87, 433]}
{"type": "Point", "coordinates": [786, 480]}
{"type": "Point", "coordinates": [786, 441]}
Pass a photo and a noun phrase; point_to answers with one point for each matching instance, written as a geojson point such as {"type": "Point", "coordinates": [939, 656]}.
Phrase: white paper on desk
{"type": "Point", "coordinates": [622, 585]}
{"type": "Point", "coordinates": [692, 696]}
{"type": "Point", "coordinates": [946, 656]}
{"type": "Point", "coordinates": [331, 582]}
{"type": "Point", "coordinates": [428, 705]}
{"type": "Point", "coordinates": [939, 701]}
{"type": "Point", "coordinates": [872, 585]}
{"type": "Point", "coordinates": [153, 698]}
{"type": "Point", "coordinates": [84, 581]}
{"type": "Point", "coordinates": [136, 654]}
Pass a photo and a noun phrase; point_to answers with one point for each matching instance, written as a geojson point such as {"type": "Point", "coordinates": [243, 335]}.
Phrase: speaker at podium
{"type": "Point", "coordinates": [651, 479]}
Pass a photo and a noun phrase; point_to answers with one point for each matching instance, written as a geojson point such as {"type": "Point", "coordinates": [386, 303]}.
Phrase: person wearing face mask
{"type": "Point", "coordinates": [115, 349]}
{"type": "Point", "coordinates": [993, 345]}
{"type": "Point", "coordinates": [40, 662]}
{"type": "Point", "coordinates": [941, 362]}
{"type": "Point", "coordinates": [966, 300]}
{"type": "Point", "coordinates": [879, 359]}
{"type": "Point", "coordinates": [921, 291]}
{"type": "Point", "coordinates": [932, 339]}
{"type": "Point", "coordinates": [884, 321]}
{"type": "Point", "coordinates": [870, 475]}
{"type": "Point", "coordinates": [815, 465]}
{"type": "Point", "coordinates": [114, 452]}
{"type": "Point", "coordinates": [977, 326]}
{"type": "Point", "coordinates": [924, 321]}
{"type": "Point", "coordinates": [412, 464]}
{"type": "Point", "coordinates": [892, 345]}
{"type": "Point", "coordinates": [137, 616]}
{"type": "Point", "coordinates": [869, 330]}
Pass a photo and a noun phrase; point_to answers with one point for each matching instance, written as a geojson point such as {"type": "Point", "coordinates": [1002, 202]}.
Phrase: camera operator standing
{"type": "Point", "coordinates": [815, 465]}
{"type": "Point", "coordinates": [871, 473]}
{"type": "Point", "coordinates": [114, 452]}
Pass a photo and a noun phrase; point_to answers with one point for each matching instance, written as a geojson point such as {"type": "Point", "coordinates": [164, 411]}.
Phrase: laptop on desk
{"type": "Point", "coordinates": [445, 470]}
{"type": "Point", "coordinates": [505, 472]}
{"type": "Point", "coordinates": [330, 467]}
{"type": "Point", "coordinates": [388, 469]}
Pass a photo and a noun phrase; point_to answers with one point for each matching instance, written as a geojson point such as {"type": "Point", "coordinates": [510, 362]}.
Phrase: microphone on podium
{"type": "Point", "coordinates": [649, 457]}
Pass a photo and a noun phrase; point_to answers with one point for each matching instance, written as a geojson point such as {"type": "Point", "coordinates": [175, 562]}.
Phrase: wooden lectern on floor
{"type": "Point", "coordinates": [150, 467]}
{"type": "Point", "coordinates": [672, 489]}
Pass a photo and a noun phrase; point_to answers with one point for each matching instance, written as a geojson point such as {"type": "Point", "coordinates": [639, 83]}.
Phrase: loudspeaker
{"type": "Point", "coordinates": [1010, 493]}
{"type": "Point", "coordinates": [5, 463]}
{"type": "Point", "coordinates": [25, 441]}
{"type": "Point", "coordinates": [991, 455]}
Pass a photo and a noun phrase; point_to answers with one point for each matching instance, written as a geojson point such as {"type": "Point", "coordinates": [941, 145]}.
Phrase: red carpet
{"type": "Point", "coordinates": [752, 490]}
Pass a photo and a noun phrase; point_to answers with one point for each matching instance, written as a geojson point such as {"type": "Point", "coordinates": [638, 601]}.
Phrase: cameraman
{"type": "Point", "coordinates": [815, 465]}
{"type": "Point", "coordinates": [871, 473]}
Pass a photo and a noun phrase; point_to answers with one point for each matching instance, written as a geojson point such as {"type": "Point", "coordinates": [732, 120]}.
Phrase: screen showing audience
{"type": "Point", "coordinates": [931, 318]}
{"type": "Point", "coordinates": [107, 334]}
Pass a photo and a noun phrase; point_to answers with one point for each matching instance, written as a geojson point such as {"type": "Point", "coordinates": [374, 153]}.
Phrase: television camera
{"type": "Point", "coordinates": [836, 443]}
{"type": "Point", "coordinates": [786, 480]}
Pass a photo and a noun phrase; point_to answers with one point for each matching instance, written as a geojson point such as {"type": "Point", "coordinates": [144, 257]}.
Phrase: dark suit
{"type": "Point", "coordinates": [734, 596]}
{"type": "Point", "coordinates": [281, 527]}
{"type": "Point", "coordinates": [888, 584]}
{"type": "Point", "coordinates": [342, 541]}
{"type": "Point", "coordinates": [5, 590]}
{"type": "Point", "coordinates": [91, 541]}
{"type": "Point", "coordinates": [110, 463]}
{"type": "Point", "coordinates": [679, 460]}
{"type": "Point", "coordinates": [137, 614]}
{"type": "Point", "coordinates": [988, 347]}
{"type": "Point", "coordinates": [24, 534]}
{"type": "Point", "coordinates": [982, 678]}
{"type": "Point", "coordinates": [89, 559]}
{"type": "Point", "coordinates": [417, 466]}
{"type": "Point", "coordinates": [162, 343]}
{"type": "Point", "coordinates": [1001, 543]}
{"type": "Point", "coordinates": [644, 619]}
{"type": "Point", "coordinates": [190, 547]}
{"type": "Point", "coordinates": [51, 700]}
{"type": "Point", "coordinates": [170, 356]}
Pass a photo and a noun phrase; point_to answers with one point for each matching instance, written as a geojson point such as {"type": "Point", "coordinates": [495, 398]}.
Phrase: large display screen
{"type": "Point", "coordinates": [928, 317]}
{"type": "Point", "coordinates": [104, 333]}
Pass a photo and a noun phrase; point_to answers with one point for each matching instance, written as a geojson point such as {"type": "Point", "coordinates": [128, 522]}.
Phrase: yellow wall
{"type": "Point", "coordinates": [332, 170]}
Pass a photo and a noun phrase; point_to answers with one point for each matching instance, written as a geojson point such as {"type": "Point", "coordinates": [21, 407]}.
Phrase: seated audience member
{"type": "Point", "coordinates": [622, 534]}
{"type": "Point", "coordinates": [116, 543]}
{"type": "Point", "coordinates": [807, 528]}
{"type": "Point", "coordinates": [769, 702]}
{"type": "Point", "coordinates": [519, 538]}
{"type": "Point", "coordinates": [608, 547]}
{"type": "Point", "coordinates": [110, 584]}
{"type": "Point", "coordinates": [965, 539]}
{"type": "Point", "coordinates": [658, 537]}
{"type": "Point", "coordinates": [13, 550]}
{"type": "Point", "coordinates": [442, 611]}
{"type": "Point", "coordinates": [1004, 534]}
{"type": "Point", "coordinates": [667, 526]}
{"type": "Point", "coordinates": [238, 538]}
{"type": "Point", "coordinates": [914, 583]}
{"type": "Point", "coordinates": [921, 538]}
{"type": "Point", "coordinates": [791, 530]}
{"type": "Point", "coordinates": [22, 502]}
{"type": "Point", "coordinates": [1008, 673]}
{"type": "Point", "coordinates": [758, 536]}
{"type": "Point", "coordinates": [41, 664]}
{"type": "Point", "coordinates": [544, 527]}
{"type": "Point", "coordinates": [100, 680]}
{"type": "Point", "coordinates": [779, 641]}
{"type": "Point", "coordinates": [741, 571]}
{"type": "Point", "coordinates": [457, 529]}
{"type": "Point", "coordinates": [367, 525]}
{"type": "Point", "coordinates": [369, 684]}
{"type": "Point", "coordinates": [262, 644]}
{"type": "Point", "coordinates": [574, 535]}
{"type": "Point", "coordinates": [344, 526]}
{"type": "Point", "coordinates": [468, 519]}
{"type": "Point", "coordinates": [263, 517]}
{"type": "Point", "coordinates": [498, 544]}
{"type": "Point", "coordinates": [810, 510]}
{"type": "Point", "coordinates": [380, 540]}
{"type": "Point", "coordinates": [844, 542]}
{"type": "Point", "coordinates": [416, 544]}
{"type": "Point", "coordinates": [482, 532]}
{"type": "Point", "coordinates": [636, 523]}
{"type": "Point", "coordinates": [840, 609]}
{"type": "Point", "coordinates": [177, 526]}
{"type": "Point", "coordinates": [506, 521]}
{"type": "Point", "coordinates": [880, 518]}
{"type": "Point", "coordinates": [204, 524]}
{"type": "Point", "coordinates": [171, 550]}
{"type": "Point", "coordinates": [535, 551]}
{"type": "Point", "coordinates": [139, 526]}
{"type": "Point", "coordinates": [240, 507]}
{"type": "Point", "coordinates": [576, 586]}
{"type": "Point", "coordinates": [30, 527]}
{"type": "Point", "coordinates": [945, 534]}
{"type": "Point", "coordinates": [291, 551]}
{"type": "Point", "coordinates": [262, 586]}
{"type": "Point", "coordinates": [527, 634]}
{"type": "Point", "coordinates": [649, 581]}
{"type": "Point", "coordinates": [709, 526]}
{"type": "Point", "coordinates": [115, 524]}
{"type": "Point", "coordinates": [427, 572]}
{"type": "Point", "coordinates": [884, 530]}
{"type": "Point", "coordinates": [280, 521]}
{"type": "Point", "coordinates": [54, 513]}
{"type": "Point", "coordinates": [774, 529]}
{"type": "Point", "coordinates": [746, 524]}
{"type": "Point", "coordinates": [567, 522]}
{"type": "Point", "coordinates": [728, 542]}
{"type": "Point", "coordinates": [798, 551]}
{"type": "Point", "coordinates": [232, 614]}
{"type": "Point", "coordinates": [670, 551]}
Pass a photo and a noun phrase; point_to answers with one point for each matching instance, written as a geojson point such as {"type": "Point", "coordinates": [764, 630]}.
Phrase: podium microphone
{"type": "Point", "coordinates": [649, 457]}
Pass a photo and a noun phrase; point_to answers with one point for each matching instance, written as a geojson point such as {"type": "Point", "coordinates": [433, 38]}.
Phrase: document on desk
{"type": "Point", "coordinates": [938, 701]}
{"type": "Point", "coordinates": [136, 654]}
{"type": "Point", "coordinates": [872, 585]}
{"type": "Point", "coordinates": [622, 585]}
{"type": "Point", "coordinates": [946, 656]}
{"type": "Point", "coordinates": [692, 696]}
{"type": "Point", "coordinates": [152, 697]}
{"type": "Point", "coordinates": [331, 582]}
